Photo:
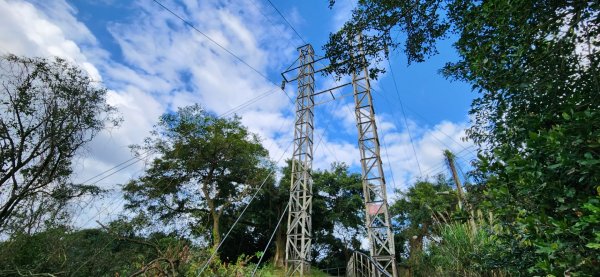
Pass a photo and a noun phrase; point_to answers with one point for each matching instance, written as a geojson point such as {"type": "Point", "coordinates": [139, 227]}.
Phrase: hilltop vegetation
{"type": "Point", "coordinates": [532, 206]}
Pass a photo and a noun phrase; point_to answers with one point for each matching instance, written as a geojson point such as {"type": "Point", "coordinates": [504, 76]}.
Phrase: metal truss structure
{"type": "Point", "coordinates": [300, 204]}
{"type": "Point", "coordinates": [378, 223]}
{"type": "Point", "coordinates": [377, 217]}
{"type": "Point", "coordinates": [362, 265]}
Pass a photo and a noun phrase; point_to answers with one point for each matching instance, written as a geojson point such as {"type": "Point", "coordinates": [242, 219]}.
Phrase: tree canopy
{"type": "Point", "coordinates": [417, 211]}
{"type": "Point", "coordinates": [204, 166]}
{"type": "Point", "coordinates": [535, 66]}
{"type": "Point", "coordinates": [532, 206]}
{"type": "Point", "coordinates": [338, 215]}
{"type": "Point", "coordinates": [49, 109]}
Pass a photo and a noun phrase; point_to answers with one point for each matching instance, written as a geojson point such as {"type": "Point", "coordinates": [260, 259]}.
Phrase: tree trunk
{"type": "Point", "coordinates": [280, 239]}
{"type": "Point", "coordinates": [416, 247]}
{"type": "Point", "coordinates": [216, 216]}
{"type": "Point", "coordinates": [215, 230]}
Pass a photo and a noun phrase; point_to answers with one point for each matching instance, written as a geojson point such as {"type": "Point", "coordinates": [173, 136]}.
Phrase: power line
{"type": "Point", "coordinates": [336, 82]}
{"type": "Point", "coordinates": [147, 153]}
{"type": "Point", "coordinates": [436, 168]}
{"type": "Point", "coordinates": [102, 210]}
{"type": "Point", "coordinates": [404, 116]}
{"type": "Point", "coordinates": [170, 182]}
{"type": "Point", "coordinates": [287, 205]}
{"type": "Point", "coordinates": [114, 238]}
{"type": "Point", "coordinates": [213, 41]}
{"type": "Point", "coordinates": [416, 113]}
{"type": "Point", "coordinates": [245, 208]}
{"type": "Point", "coordinates": [260, 10]}
{"type": "Point", "coordinates": [385, 147]}
{"type": "Point", "coordinates": [122, 199]}
{"type": "Point", "coordinates": [441, 131]}
{"type": "Point", "coordinates": [231, 53]}
{"type": "Point", "coordinates": [229, 112]}
{"type": "Point", "coordinates": [227, 50]}
{"type": "Point", "coordinates": [243, 211]}
{"type": "Point", "coordinates": [270, 239]}
{"type": "Point", "coordinates": [110, 169]}
{"type": "Point", "coordinates": [286, 21]}
{"type": "Point", "coordinates": [388, 158]}
{"type": "Point", "coordinates": [301, 38]}
{"type": "Point", "coordinates": [436, 138]}
{"type": "Point", "coordinates": [247, 103]}
{"type": "Point", "coordinates": [237, 57]}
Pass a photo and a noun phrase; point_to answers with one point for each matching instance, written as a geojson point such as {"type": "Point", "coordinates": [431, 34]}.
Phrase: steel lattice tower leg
{"type": "Point", "coordinates": [300, 205]}
{"type": "Point", "coordinates": [378, 222]}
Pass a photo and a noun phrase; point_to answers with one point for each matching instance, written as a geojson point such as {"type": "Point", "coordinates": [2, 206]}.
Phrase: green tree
{"type": "Point", "coordinates": [49, 109]}
{"type": "Point", "coordinates": [536, 67]}
{"type": "Point", "coordinates": [254, 229]}
{"type": "Point", "coordinates": [204, 167]}
{"type": "Point", "coordinates": [338, 215]}
{"type": "Point", "coordinates": [94, 252]}
{"type": "Point", "coordinates": [337, 218]}
{"type": "Point", "coordinates": [417, 212]}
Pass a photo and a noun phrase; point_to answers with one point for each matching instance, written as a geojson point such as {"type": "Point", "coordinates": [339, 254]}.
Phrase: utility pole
{"type": "Point", "coordinates": [300, 204]}
{"type": "Point", "coordinates": [378, 223]}
{"type": "Point", "coordinates": [450, 161]}
{"type": "Point", "coordinates": [460, 193]}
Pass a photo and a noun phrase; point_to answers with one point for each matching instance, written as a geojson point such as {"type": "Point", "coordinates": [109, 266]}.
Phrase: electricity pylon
{"type": "Point", "coordinates": [299, 229]}
{"type": "Point", "coordinates": [378, 223]}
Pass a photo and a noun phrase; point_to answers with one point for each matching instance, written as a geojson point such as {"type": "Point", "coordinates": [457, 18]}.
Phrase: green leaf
{"type": "Point", "coordinates": [593, 245]}
{"type": "Point", "coordinates": [554, 166]}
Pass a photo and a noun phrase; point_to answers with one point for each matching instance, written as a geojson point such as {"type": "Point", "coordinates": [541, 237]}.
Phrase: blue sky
{"type": "Point", "coordinates": [152, 63]}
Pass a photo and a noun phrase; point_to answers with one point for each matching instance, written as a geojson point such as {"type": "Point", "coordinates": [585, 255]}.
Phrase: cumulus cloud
{"type": "Point", "coordinates": [32, 32]}
{"type": "Point", "coordinates": [165, 64]}
{"type": "Point", "coordinates": [404, 160]}
{"type": "Point", "coordinates": [342, 13]}
{"type": "Point", "coordinates": [197, 69]}
{"type": "Point", "coordinates": [408, 161]}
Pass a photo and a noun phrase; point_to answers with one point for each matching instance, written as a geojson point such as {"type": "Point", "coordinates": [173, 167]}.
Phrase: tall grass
{"type": "Point", "coordinates": [459, 249]}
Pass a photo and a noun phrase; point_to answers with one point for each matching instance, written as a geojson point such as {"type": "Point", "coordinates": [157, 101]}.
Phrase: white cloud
{"type": "Point", "coordinates": [429, 144]}
{"type": "Point", "coordinates": [166, 65]}
{"type": "Point", "coordinates": [29, 31]}
{"type": "Point", "coordinates": [342, 13]}
{"type": "Point", "coordinates": [327, 152]}
{"type": "Point", "coordinates": [396, 148]}
{"type": "Point", "coordinates": [196, 69]}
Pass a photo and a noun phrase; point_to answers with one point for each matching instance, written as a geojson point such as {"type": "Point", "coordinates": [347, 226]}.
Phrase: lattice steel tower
{"type": "Point", "coordinates": [377, 217]}
{"type": "Point", "coordinates": [378, 223]}
{"type": "Point", "coordinates": [300, 204]}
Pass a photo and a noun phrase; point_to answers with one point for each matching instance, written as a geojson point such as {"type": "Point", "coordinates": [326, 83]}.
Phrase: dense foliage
{"type": "Point", "coordinates": [92, 252]}
{"type": "Point", "coordinates": [533, 208]}
{"type": "Point", "coordinates": [338, 217]}
{"type": "Point", "coordinates": [206, 166]}
{"type": "Point", "coordinates": [535, 65]}
{"type": "Point", "coordinates": [417, 212]}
